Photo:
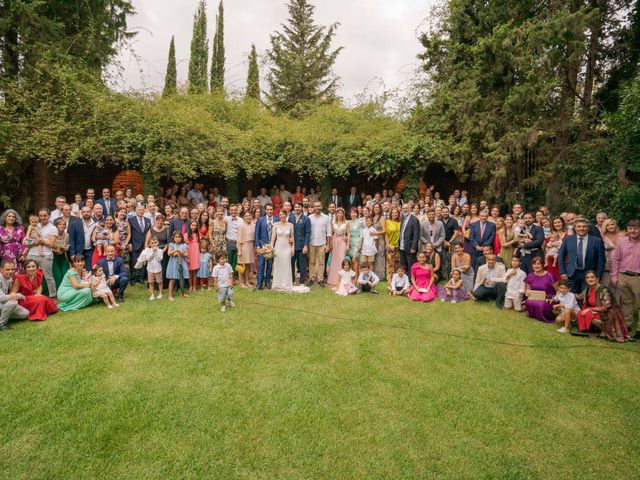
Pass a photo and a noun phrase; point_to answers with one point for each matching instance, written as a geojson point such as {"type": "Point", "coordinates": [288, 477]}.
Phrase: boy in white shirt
{"type": "Point", "coordinates": [400, 282]}
{"type": "Point", "coordinates": [223, 281]}
{"type": "Point", "coordinates": [154, 268]}
{"type": "Point", "coordinates": [565, 306]}
{"type": "Point", "coordinates": [368, 249]}
{"type": "Point", "coordinates": [367, 280]}
{"type": "Point", "coordinates": [515, 286]}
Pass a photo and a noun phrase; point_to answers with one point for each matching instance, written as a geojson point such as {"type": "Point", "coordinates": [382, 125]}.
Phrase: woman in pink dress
{"type": "Point", "coordinates": [339, 243]}
{"type": "Point", "coordinates": [423, 288]}
{"type": "Point", "coordinates": [11, 238]}
{"type": "Point", "coordinates": [193, 253]}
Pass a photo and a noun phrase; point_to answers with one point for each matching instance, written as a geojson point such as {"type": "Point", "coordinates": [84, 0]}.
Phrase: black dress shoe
{"type": "Point", "coordinates": [321, 284]}
{"type": "Point", "coordinates": [268, 286]}
{"type": "Point", "coordinates": [5, 327]}
{"type": "Point", "coordinates": [258, 287]}
{"type": "Point", "coordinates": [637, 335]}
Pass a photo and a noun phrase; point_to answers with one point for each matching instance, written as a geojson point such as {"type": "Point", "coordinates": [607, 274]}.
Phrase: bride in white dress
{"type": "Point", "coordinates": [282, 243]}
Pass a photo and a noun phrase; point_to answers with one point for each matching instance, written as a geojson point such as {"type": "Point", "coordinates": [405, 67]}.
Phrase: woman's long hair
{"type": "Point", "coordinates": [3, 217]}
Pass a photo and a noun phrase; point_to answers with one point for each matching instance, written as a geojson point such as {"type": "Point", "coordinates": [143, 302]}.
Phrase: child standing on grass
{"type": "Point", "coordinates": [206, 265]}
{"type": "Point", "coordinates": [565, 306]}
{"type": "Point", "coordinates": [345, 285]}
{"type": "Point", "coordinates": [515, 286]}
{"type": "Point", "coordinates": [177, 268]}
{"type": "Point", "coordinates": [367, 280]}
{"type": "Point", "coordinates": [98, 282]}
{"type": "Point", "coordinates": [368, 249]}
{"type": "Point", "coordinates": [193, 252]}
{"type": "Point", "coordinates": [154, 268]}
{"type": "Point", "coordinates": [223, 281]}
{"type": "Point", "coordinates": [454, 290]}
{"type": "Point", "coordinates": [400, 283]}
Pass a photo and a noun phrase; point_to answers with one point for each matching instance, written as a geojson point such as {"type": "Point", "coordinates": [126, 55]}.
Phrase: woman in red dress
{"type": "Point", "coordinates": [29, 284]}
{"type": "Point", "coordinates": [601, 311]}
{"type": "Point", "coordinates": [276, 200]}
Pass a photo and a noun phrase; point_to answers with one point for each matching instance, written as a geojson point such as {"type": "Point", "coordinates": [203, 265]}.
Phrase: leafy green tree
{"type": "Point", "coordinates": [170, 79]}
{"type": "Point", "coordinates": [198, 61]}
{"type": "Point", "coordinates": [218, 56]}
{"type": "Point", "coordinates": [302, 60]}
{"type": "Point", "coordinates": [253, 77]}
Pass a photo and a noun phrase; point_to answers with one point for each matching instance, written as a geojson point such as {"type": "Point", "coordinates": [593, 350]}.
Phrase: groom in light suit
{"type": "Point", "coordinates": [263, 237]}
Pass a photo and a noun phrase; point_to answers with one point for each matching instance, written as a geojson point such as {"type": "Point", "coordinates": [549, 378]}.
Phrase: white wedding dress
{"type": "Point", "coordinates": [282, 280]}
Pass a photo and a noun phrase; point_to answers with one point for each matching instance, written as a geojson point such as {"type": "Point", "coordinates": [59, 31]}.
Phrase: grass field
{"type": "Point", "coordinates": [313, 387]}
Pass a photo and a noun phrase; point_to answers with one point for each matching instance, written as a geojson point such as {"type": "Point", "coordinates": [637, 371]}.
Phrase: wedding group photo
{"type": "Point", "coordinates": [319, 240]}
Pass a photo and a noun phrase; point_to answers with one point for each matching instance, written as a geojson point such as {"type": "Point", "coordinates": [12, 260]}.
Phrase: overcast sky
{"type": "Point", "coordinates": [379, 36]}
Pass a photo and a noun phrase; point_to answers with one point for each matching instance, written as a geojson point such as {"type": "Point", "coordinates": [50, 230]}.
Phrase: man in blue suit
{"type": "Point", "coordinates": [301, 236]}
{"type": "Point", "coordinates": [483, 233]}
{"type": "Point", "coordinates": [108, 203]}
{"type": "Point", "coordinates": [263, 237]}
{"type": "Point", "coordinates": [139, 225]}
{"type": "Point", "coordinates": [580, 253]}
{"type": "Point", "coordinates": [116, 272]}
{"type": "Point", "coordinates": [533, 246]}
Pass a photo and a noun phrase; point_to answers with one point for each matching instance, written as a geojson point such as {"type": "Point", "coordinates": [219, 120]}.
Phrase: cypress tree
{"type": "Point", "coordinates": [170, 79]}
{"type": "Point", "coordinates": [199, 51]}
{"type": "Point", "coordinates": [253, 77]}
{"type": "Point", "coordinates": [217, 58]}
{"type": "Point", "coordinates": [302, 60]}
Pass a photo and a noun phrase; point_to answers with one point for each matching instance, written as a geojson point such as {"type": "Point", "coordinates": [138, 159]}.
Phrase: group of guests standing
{"type": "Point", "coordinates": [425, 249]}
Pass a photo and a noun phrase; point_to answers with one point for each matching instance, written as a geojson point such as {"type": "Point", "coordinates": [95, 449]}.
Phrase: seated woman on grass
{"type": "Point", "coordinates": [600, 310]}
{"type": "Point", "coordinates": [73, 293]}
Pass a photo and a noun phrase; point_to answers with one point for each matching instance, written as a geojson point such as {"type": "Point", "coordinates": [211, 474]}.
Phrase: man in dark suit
{"type": "Point", "coordinates": [116, 272]}
{"type": "Point", "coordinates": [352, 200]}
{"type": "Point", "coordinates": [335, 198]}
{"type": "Point", "coordinates": [263, 237]}
{"type": "Point", "coordinates": [74, 230]}
{"type": "Point", "coordinates": [409, 238]}
{"type": "Point", "coordinates": [531, 247]}
{"type": "Point", "coordinates": [139, 226]}
{"type": "Point", "coordinates": [108, 202]}
{"type": "Point", "coordinates": [483, 233]}
{"type": "Point", "coordinates": [580, 253]}
{"type": "Point", "coordinates": [180, 224]}
{"type": "Point", "coordinates": [301, 237]}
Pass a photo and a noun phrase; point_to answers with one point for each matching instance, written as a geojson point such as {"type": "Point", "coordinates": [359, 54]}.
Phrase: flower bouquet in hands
{"type": "Point", "coordinates": [267, 251]}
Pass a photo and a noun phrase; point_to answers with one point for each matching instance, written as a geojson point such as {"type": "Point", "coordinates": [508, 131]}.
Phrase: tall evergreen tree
{"type": "Point", "coordinates": [199, 51]}
{"type": "Point", "coordinates": [170, 79]}
{"type": "Point", "coordinates": [253, 77]}
{"type": "Point", "coordinates": [218, 58]}
{"type": "Point", "coordinates": [302, 60]}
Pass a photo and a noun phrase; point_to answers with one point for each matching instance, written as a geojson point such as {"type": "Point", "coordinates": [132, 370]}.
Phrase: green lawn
{"type": "Point", "coordinates": [359, 387]}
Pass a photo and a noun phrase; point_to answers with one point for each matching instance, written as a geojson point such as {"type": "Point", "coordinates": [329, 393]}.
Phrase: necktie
{"type": "Point", "coordinates": [141, 222]}
{"type": "Point", "coordinates": [481, 230]}
{"type": "Point", "coordinates": [106, 206]}
{"type": "Point", "coordinates": [269, 225]}
{"type": "Point", "coordinates": [580, 261]}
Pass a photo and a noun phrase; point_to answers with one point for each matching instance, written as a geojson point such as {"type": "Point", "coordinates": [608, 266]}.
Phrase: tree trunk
{"type": "Point", "coordinates": [592, 55]}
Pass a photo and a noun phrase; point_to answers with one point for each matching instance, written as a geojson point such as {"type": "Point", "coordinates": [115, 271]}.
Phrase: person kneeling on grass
{"type": "Point", "coordinates": [400, 283]}
{"type": "Point", "coordinates": [223, 281]}
{"type": "Point", "coordinates": [515, 286]}
{"type": "Point", "coordinates": [565, 306]}
{"type": "Point", "coordinates": [367, 280]}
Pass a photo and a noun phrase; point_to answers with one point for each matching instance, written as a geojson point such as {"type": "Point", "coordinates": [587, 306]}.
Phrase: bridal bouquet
{"type": "Point", "coordinates": [267, 251]}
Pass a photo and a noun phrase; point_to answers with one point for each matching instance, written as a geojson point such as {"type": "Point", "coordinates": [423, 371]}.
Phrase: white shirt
{"type": "Point", "coordinates": [369, 277]}
{"type": "Point", "coordinates": [320, 229]}
{"type": "Point", "coordinates": [233, 223]}
{"type": "Point", "coordinates": [398, 281]}
{"type": "Point", "coordinates": [55, 215]}
{"type": "Point", "coordinates": [264, 200]}
{"type": "Point", "coordinates": [223, 274]}
{"type": "Point", "coordinates": [369, 248]}
{"type": "Point", "coordinates": [44, 232]}
{"type": "Point", "coordinates": [568, 301]}
{"type": "Point", "coordinates": [154, 264]}
{"type": "Point", "coordinates": [88, 230]}
{"type": "Point", "coordinates": [515, 285]}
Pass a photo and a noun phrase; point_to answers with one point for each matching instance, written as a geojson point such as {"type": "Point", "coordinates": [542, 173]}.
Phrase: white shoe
{"type": "Point", "coordinates": [563, 330]}
{"type": "Point", "coordinates": [152, 297]}
{"type": "Point", "coordinates": [116, 304]}
{"type": "Point", "coordinates": [453, 301]}
{"type": "Point", "coordinates": [109, 306]}
{"type": "Point", "coordinates": [159, 296]}
{"type": "Point", "coordinates": [231, 304]}
{"type": "Point", "coordinates": [223, 308]}
{"type": "Point", "coordinates": [442, 299]}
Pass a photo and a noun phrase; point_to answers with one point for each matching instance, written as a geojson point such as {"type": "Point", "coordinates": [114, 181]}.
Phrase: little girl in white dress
{"type": "Point", "coordinates": [100, 288]}
{"type": "Point", "coordinates": [345, 284]}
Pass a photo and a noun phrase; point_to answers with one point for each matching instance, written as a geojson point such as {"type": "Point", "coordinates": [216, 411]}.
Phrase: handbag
{"type": "Point", "coordinates": [240, 268]}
